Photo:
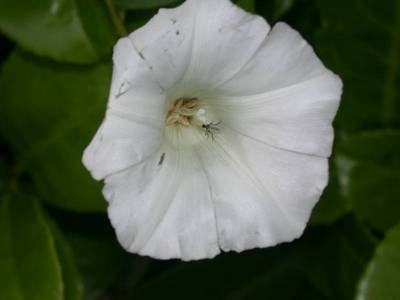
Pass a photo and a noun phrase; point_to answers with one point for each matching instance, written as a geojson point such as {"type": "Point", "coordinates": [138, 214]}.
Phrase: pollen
{"type": "Point", "coordinates": [182, 111]}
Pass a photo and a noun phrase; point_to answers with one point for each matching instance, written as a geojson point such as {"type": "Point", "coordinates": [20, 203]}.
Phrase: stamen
{"type": "Point", "coordinates": [182, 111]}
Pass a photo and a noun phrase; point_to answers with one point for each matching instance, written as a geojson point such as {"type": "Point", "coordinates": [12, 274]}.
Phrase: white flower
{"type": "Point", "coordinates": [217, 133]}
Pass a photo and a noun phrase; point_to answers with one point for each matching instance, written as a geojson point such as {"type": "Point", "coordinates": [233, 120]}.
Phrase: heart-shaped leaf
{"type": "Point", "coordinates": [65, 30]}
{"type": "Point", "coordinates": [49, 114]}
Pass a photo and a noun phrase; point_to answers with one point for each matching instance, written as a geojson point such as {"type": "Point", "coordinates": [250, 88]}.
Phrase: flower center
{"type": "Point", "coordinates": [190, 121]}
{"type": "Point", "coordinates": [182, 111]}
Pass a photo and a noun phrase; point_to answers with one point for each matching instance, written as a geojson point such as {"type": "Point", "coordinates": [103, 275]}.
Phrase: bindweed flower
{"type": "Point", "coordinates": [217, 133]}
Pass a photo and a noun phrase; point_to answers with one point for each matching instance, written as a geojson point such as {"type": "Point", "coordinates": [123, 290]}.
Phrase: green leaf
{"type": "Point", "coordinates": [100, 261]}
{"type": "Point", "coordinates": [247, 5]}
{"type": "Point", "coordinates": [135, 19]}
{"type": "Point", "coordinates": [283, 283]}
{"type": "Point", "coordinates": [360, 40]}
{"type": "Point", "coordinates": [332, 204]}
{"type": "Point", "coordinates": [73, 287]}
{"type": "Point", "coordinates": [3, 172]}
{"type": "Point", "coordinates": [335, 257]}
{"type": "Point", "coordinates": [379, 147]}
{"type": "Point", "coordinates": [65, 30]}
{"type": "Point", "coordinates": [49, 114]}
{"type": "Point", "coordinates": [148, 4]}
{"type": "Point", "coordinates": [145, 4]}
{"type": "Point", "coordinates": [273, 10]}
{"type": "Point", "coordinates": [212, 279]}
{"type": "Point", "coordinates": [381, 279]}
{"type": "Point", "coordinates": [369, 165]}
{"type": "Point", "coordinates": [375, 194]}
{"type": "Point", "coordinates": [29, 267]}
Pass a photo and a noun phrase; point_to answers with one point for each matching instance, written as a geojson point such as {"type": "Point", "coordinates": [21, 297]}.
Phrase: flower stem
{"type": "Point", "coordinates": [116, 18]}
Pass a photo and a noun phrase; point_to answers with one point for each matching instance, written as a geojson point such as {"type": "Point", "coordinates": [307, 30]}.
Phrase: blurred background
{"type": "Point", "coordinates": [55, 239]}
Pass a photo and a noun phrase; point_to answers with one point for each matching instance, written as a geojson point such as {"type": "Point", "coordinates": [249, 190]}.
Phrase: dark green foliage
{"type": "Point", "coordinates": [65, 30]}
{"type": "Point", "coordinates": [381, 279]}
{"type": "Point", "coordinates": [360, 40]}
{"type": "Point", "coordinates": [145, 4]}
{"type": "Point", "coordinates": [369, 167]}
{"type": "Point", "coordinates": [73, 287]}
{"type": "Point", "coordinates": [58, 109]}
{"type": "Point", "coordinates": [29, 266]}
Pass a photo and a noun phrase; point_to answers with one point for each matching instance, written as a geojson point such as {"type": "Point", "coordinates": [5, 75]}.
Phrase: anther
{"type": "Point", "coordinates": [182, 111]}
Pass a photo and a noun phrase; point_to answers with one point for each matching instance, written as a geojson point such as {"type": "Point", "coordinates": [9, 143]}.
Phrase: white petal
{"type": "Point", "coordinates": [164, 211]}
{"type": "Point", "coordinates": [296, 118]}
{"type": "Point", "coordinates": [202, 43]}
{"type": "Point", "coordinates": [134, 88]}
{"type": "Point", "coordinates": [131, 130]}
{"type": "Point", "coordinates": [263, 196]}
{"type": "Point", "coordinates": [295, 180]}
{"type": "Point", "coordinates": [165, 42]}
{"type": "Point", "coordinates": [284, 59]}
{"type": "Point", "coordinates": [225, 39]}
{"type": "Point", "coordinates": [120, 143]}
